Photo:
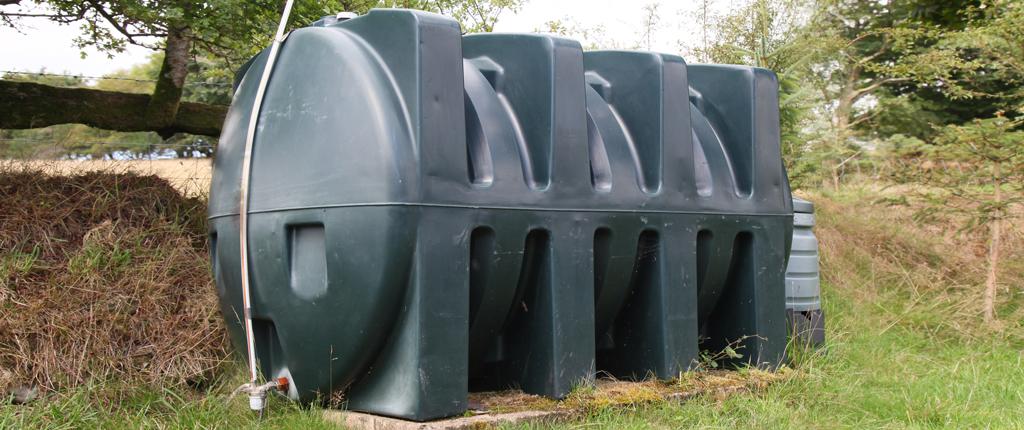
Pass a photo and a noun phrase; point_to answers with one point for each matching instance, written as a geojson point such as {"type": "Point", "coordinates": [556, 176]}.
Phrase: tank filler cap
{"type": "Point", "coordinates": [333, 19]}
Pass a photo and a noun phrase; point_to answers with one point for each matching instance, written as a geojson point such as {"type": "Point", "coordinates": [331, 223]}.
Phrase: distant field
{"type": "Point", "coordinates": [191, 176]}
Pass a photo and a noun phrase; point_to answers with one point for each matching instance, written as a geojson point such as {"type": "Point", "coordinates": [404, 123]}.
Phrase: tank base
{"type": "Point", "coordinates": [807, 326]}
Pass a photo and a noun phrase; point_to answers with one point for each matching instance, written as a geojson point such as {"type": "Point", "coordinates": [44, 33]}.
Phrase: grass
{"type": "Point", "coordinates": [191, 176]}
{"type": "Point", "coordinates": [114, 406]}
{"type": "Point", "coordinates": [906, 349]}
{"type": "Point", "coordinates": [104, 277]}
{"type": "Point", "coordinates": [874, 375]}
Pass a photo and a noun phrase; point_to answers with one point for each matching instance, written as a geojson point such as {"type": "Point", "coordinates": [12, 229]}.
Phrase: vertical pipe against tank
{"type": "Point", "coordinates": [257, 396]}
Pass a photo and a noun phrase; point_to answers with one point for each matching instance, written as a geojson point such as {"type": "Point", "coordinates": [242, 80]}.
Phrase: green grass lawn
{"type": "Point", "coordinates": [874, 375]}
{"type": "Point", "coordinates": [906, 346]}
{"type": "Point", "coordinates": [906, 349]}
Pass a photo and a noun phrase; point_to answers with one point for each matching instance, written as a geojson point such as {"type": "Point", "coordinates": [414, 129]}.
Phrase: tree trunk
{"type": "Point", "coordinates": [835, 178]}
{"type": "Point", "coordinates": [993, 250]}
{"type": "Point", "coordinates": [170, 84]}
{"type": "Point", "coordinates": [844, 104]}
{"type": "Point", "coordinates": [31, 105]}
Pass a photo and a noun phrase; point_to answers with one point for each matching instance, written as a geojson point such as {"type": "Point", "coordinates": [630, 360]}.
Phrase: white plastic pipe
{"type": "Point", "coordinates": [243, 204]}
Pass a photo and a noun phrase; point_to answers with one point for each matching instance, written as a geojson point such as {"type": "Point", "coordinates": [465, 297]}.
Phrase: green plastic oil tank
{"type": "Point", "coordinates": [431, 214]}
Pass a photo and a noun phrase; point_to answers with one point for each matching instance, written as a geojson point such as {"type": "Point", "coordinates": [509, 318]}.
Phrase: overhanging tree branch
{"type": "Point", "coordinates": [54, 16]}
{"type": "Point", "coordinates": [122, 28]}
{"type": "Point", "coordinates": [62, 16]}
{"type": "Point", "coordinates": [31, 105]}
{"type": "Point", "coordinates": [857, 94]}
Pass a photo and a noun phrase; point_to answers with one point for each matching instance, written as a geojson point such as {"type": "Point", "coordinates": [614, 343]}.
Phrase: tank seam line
{"type": "Point", "coordinates": [456, 206]}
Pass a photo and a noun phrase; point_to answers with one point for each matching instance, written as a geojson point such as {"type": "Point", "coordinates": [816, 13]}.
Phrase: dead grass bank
{"type": "Point", "coordinates": [190, 176]}
{"type": "Point", "coordinates": [928, 275]}
{"type": "Point", "coordinates": [104, 276]}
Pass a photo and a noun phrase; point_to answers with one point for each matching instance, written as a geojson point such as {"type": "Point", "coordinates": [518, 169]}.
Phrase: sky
{"type": "Point", "coordinates": [42, 44]}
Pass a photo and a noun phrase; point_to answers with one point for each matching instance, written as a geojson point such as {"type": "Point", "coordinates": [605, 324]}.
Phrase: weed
{"type": "Point", "coordinates": [709, 360]}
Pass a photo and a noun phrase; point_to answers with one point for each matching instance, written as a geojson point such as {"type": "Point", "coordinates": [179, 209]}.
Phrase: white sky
{"type": "Point", "coordinates": [44, 44]}
{"type": "Point", "coordinates": [619, 22]}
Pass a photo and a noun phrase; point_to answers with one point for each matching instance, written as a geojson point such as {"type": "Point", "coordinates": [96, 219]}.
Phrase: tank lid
{"type": "Point", "coordinates": [333, 19]}
{"type": "Point", "coordinates": [802, 206]}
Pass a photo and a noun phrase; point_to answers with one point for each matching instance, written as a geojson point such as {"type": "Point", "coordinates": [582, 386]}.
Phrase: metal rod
{"type": "Point", "coordinates": [243, 203]}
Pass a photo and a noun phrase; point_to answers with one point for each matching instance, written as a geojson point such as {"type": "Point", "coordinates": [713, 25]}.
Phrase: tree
{"type": "Point", "coordinates": [178, 28]}
{"type": "Point", "coordinates": [74, 140]}
{"type": "Point", "coordinates": [476, 16]}
{"type": "Point", "coordinates": [590, 37]}
{"type": "Point", "coordinates": [183, 30]}
{"type": "Point", "coordinates": [649, 26]}
{"type": "Point", "coordinates": [770, 34]}
{"type": "Point", "coordinates": [705, 15]}
{"type": "Point", "coordinates": [978, 171]}
{"type": "Point", "coordinates": [866, 49]}
{"type": "Point", "coordinates": [851, 36]}
{"type": "Point", "coordinates": [982, 35]}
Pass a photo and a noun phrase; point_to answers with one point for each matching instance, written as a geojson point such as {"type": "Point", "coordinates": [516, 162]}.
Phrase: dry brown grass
{"type": "Point", "coordinates": [609, 393]}
{"type": "Point", "coordinates": [873, 250]}
{"type": "Point", "coordinates": [104, 277]}
{"type": "Point", "coordinates": [190, 176]}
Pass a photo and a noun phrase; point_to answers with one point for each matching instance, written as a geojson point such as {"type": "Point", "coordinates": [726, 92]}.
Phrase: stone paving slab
{"type": "Point", "coordinates": [487, 407]}
{"type": "Point", "coordinates": [362, 421]}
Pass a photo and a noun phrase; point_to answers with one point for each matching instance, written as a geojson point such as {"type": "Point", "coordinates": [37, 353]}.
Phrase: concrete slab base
{"type": "Point", "coordinates": [362, 421]}
{"type": "Point", "coordinates": [492, 410]}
